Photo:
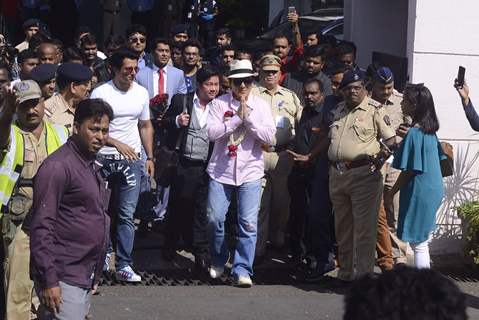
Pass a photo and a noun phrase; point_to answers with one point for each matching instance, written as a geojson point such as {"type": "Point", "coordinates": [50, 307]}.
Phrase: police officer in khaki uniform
{"type": "Point", "coordinates": [28, 140]}
{"type": "Point", "coordinates": [356, 181]}
{"type": "Point", "coordinates": [74, 84]}
{"type": "Point", "coordinates": [44, 74]}
{"type": "Point", "coordinates": [383, 92]}
{"type": "Point", "coordinates": [286, 110]}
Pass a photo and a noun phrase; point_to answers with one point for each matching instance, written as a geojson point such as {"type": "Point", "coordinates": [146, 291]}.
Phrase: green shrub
{"type": "Point", "coordinates": [469, 213]}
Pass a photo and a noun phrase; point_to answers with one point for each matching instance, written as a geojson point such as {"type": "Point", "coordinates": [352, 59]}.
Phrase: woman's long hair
{"type": "Point", "coordinates": [425, 113]}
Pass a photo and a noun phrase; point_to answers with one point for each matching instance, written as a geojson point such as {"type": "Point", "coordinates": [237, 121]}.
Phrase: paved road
{"type": "Point", "coordinates": [270, 302]}
{"type": "Point", "coordinates": [216, 302]}
{"type": "Point", "coordinates": [224, 302]}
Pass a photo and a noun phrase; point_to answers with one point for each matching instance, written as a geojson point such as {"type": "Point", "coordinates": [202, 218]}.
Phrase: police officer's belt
{"type": "Point", "coordinates": [342, 165]}
{"type": "Point", "coordinates": [19, 203]}
{"type": "Point", "coordinates": [276, 149]}
{"type": "Point", "coordinates": [115, 156]}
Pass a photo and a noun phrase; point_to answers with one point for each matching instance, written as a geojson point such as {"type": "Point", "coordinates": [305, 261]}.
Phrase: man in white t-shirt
{"type": "Point", "coordinates": [129, 130]}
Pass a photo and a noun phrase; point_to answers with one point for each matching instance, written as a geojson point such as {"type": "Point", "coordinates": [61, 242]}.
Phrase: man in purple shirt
{"type": "Point", "coordinates": [68, 224]}
{"type": "Point", "coordinates": [238, 123]}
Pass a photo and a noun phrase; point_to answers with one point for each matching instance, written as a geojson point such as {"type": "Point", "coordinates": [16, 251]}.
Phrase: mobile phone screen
{"type": "Point", "coordinates": [291, 9]}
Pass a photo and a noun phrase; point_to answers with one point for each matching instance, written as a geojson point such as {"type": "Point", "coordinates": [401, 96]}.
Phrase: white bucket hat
{"type": "Point", "coordinates": [241, 69]}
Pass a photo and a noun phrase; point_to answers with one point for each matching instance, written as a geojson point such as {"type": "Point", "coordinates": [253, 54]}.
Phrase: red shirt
{"type": "Point", "coordinates": [289, 64]}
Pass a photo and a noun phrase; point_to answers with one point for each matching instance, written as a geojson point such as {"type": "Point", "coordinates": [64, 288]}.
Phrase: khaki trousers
{"type": "Point", "coordinates": [275, 201]}
{"type": "Point", "coordinates": [18, 286]}
{"type": "Point", "coordinates": [391, 205]}
{"type": "Point", "coordinates": [356, 195]}
{"type": "Point", "coordinates": [383, 244]}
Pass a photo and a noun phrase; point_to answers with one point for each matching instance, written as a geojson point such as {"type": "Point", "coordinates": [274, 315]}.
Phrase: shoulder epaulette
{"type": "Point", "coordinates": [374, 103]}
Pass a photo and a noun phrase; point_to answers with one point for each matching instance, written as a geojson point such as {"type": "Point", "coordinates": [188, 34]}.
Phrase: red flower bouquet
{"type": "Point", "coordinates": [158, 106]}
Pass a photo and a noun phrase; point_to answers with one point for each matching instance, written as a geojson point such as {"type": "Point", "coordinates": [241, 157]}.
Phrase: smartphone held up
{"type": "Point", "coordinates": [460, 76]}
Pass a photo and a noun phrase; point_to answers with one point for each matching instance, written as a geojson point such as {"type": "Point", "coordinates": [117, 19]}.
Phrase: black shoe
{"type": "Point", "coordinates": [318, 273]}
{"type": "Point", "coordinates": [201, 264]}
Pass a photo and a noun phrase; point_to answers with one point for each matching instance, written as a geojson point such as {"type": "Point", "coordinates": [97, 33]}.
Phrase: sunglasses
{"type": "Point", "coordinates": [267, 72]}
{"type": "Point", "coordinates": [141, 40]}
{"type": "Point", "coordinates": [247, 81]}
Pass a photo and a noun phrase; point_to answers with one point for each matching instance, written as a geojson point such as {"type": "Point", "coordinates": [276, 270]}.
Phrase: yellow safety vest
{"type": "Point", "coordinates": [12, 164]}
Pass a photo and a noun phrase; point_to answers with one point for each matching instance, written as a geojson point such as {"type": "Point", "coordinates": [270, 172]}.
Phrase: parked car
{"type": "Point", "coordinates": [324, 21]}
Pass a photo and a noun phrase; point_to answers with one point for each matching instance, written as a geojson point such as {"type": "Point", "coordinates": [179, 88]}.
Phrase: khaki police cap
{"type": "Point", "coordinates": [270, 62]}
{"type": "Point", "coordinates": [27, 90]}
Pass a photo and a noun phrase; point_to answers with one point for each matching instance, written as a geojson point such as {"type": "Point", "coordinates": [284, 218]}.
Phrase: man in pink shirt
{"type": "Point", "coordinates": [239, 123]}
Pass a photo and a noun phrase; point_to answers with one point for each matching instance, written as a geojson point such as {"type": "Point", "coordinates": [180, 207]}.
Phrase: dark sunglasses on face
{"type": "Point", "coordinates": [141, 40]}
{"type": "Point", "coordinates": [267, 72]}
{"type": "Point", "coordinates": [247, 81]}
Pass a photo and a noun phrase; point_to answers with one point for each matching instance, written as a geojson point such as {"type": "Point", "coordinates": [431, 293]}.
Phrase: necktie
{"type": "Point", "coordinates": [161, 82]}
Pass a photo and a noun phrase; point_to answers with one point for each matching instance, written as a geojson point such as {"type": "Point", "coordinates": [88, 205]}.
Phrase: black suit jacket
{"type": "Point", "coordinates": [172, 132]}
{"type": "Point", "coordinates": [169, 119]}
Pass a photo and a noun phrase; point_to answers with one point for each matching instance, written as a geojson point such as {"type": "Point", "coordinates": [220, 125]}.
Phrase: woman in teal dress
{"type": "Point", "coordinates": [420, 181]}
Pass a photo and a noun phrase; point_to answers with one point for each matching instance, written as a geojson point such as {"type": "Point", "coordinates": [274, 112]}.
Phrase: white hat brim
{"type": "Point", "coordinates": [242, 75]}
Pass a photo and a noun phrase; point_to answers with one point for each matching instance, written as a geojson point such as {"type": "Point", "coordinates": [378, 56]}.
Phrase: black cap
{"type": "Point", "coordinates": [179, 28]}
{"type": "Point", "coordinates": [30, 23]}
{"type": "Point", "coordinates": [44, 72]}
{"type": "Point", "coordinates": [74, 72]}
{"type": "Point", "coordinates": [351, 76]}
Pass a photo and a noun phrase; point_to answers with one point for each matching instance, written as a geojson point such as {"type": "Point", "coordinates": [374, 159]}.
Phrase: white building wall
{"type": "Point", "coordinates": [380, 26]}
{"type": "Point", "coordinates": [436, 36]}
{"type": "Point", "coordinates": [445, 36]}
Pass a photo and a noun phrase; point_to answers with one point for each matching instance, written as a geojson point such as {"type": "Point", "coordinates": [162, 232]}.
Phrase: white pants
{"type": "Point", "coordinates": [422, 259]}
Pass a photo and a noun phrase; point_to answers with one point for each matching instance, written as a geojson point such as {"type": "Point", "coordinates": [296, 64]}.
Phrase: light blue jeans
{"type": "Point", "coordinates": [219, 199]}
{"type": "Point", "coordinates": [125, 180]}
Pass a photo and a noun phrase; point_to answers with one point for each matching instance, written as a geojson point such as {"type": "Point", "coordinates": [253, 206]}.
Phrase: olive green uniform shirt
{"type": "Point", "coordinates": [354, 133]}
{"type": "Point", "coordinates": [58, 111]}
{"type": "Point", "coordinates": [393, 110]}
{"type": "Point", "coordinates": [286, 110]}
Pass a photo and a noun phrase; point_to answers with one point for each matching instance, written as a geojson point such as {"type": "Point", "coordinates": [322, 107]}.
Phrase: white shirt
{"type": "Point", "coordinates": [201, 114]}
{"type": "Point", "coordinates": [128, 108]}
{"type": "Point", "coordinates": [156, 78]}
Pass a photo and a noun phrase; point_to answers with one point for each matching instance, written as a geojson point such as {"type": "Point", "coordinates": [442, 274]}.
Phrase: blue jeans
{"type": "Point", "coordinates": [219, 199]}
{"type": "Point", "coordinates": [125, 181]}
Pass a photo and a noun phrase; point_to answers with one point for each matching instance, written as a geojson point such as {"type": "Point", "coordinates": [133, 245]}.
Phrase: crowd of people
{"type": "Point", "coordinates": [296, 149]}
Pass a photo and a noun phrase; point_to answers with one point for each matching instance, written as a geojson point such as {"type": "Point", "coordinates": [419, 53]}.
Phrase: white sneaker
{"type": "Point", "coordinates": [216, 272]}
{"type": "Point", "coordinates": [244, 282]}
{"type": "Point", "coordinates": [106, 264]}
{"type": "Point", "coordinates": [127, 274]}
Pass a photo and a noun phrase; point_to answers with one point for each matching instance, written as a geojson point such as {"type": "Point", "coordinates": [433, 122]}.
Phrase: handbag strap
{"type": "Point", "coordinates": [182, 130]}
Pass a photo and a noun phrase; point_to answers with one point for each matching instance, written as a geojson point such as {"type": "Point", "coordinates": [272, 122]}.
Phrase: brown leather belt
{"type": "Point", "coordinates": [277, 149]}
{"type": "Point", "coordinates": [342, 165]}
